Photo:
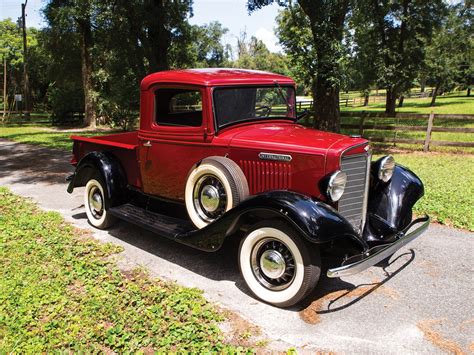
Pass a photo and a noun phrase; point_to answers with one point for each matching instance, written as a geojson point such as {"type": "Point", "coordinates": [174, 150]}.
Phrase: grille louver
{"type": "Point", "coordinates": [264, 176]}
{"type": "Point", "coordinates": [353, 201]}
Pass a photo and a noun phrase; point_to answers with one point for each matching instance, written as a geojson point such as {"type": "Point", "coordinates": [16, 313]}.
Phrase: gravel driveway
{"type": "Point", "coordinates": [422, 302]}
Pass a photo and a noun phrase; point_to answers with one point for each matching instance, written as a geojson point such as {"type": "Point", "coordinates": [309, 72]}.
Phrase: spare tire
{"type": "Point", "coordinates": [213, 187]}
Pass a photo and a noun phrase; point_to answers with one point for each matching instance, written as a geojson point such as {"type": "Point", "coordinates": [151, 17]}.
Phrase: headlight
{"type": "Point", "coordinates": [387, 164]}
{"type": "Point", "coordinates": [336, 185]}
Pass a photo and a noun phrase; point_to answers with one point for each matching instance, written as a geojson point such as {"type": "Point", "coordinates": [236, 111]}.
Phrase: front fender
{"type": "Point", "coordinates": [111, 170]}
{"type": "Point", "coordinates": [317, 222]}
{"type": "Point", "coordinates": [390, 204]}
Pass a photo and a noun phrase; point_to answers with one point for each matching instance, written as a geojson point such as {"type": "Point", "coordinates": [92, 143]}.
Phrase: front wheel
{"type": "Point", "coordinates": [96, 203]}
{"type": "Point", "coordinates": [277, 265]}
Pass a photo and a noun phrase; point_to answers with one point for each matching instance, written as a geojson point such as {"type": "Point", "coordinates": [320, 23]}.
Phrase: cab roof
{"type": "Point", "coordinates": [215, 77]}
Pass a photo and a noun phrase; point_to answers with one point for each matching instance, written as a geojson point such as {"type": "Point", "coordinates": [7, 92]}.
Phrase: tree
{"type": "Point", "coordinates": [400, 29]}
{"type": "Point", "coordinates": [77, 16]}
{"type": "Point", "coordinates": [11, 48]}
{"type": "Point", "coordinates": [208, 49]}
{"type": "Point", "coordinates": [445, 56]}
{"type": "Point", "coordinates": [326, 21]}
{"type": "Point", "coordinates": [254, 54]}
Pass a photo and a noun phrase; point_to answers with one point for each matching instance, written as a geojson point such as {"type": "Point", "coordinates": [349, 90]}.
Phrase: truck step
{"type": "Point", "coordinates": [160, 224]}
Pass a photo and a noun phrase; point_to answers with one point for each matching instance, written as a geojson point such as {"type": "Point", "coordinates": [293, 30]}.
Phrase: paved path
{"type": "Point", "coordinates": [421, 303]}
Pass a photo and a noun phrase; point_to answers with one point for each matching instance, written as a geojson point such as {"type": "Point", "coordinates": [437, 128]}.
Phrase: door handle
{"type": "Point", "coordinates": [147, 144]}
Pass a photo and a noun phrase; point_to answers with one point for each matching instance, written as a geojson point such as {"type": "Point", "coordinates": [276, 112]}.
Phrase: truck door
{"type": "Point", "coordinates": [172, 138]}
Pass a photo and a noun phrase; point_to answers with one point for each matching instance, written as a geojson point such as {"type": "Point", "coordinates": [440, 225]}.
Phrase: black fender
{"type": "Point", "coordinates": [111, 170]}
{"type": "Point", "coordinates": [389, 208]}
{"type": "Point", "coordinates": [316, 221]}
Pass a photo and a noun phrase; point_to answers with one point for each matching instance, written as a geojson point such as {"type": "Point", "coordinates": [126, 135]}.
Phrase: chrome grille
{"type": "Point", "coordinates": [352, 204]}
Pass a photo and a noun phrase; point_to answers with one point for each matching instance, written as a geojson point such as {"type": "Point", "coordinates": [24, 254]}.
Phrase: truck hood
{"type": "Point", "coordinates": [290, 138]}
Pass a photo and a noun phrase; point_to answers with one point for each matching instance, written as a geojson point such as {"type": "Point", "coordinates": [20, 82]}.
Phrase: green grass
{"type": "Point", "coordinates": [45, 135]}
{"type": "Point", "coordinates": [60, 291]}
{"type": "Point", "coordinates": [449, 186]}
{"type": "Point", "coordinates": [455, 103]}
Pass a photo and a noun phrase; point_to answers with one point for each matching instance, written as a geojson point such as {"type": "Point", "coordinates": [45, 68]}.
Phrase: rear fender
{"type": "Point", "coordinates": [111, 170]}
{"type": "Point", "coordinates": [317, 222]}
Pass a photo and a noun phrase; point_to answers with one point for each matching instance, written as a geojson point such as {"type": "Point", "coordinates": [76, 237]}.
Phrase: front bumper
{"type": "Point", "coordinates": [358, 263]}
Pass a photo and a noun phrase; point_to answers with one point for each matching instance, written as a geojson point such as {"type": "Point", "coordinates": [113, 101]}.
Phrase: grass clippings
{"type": "Point", "coordinates": [434, 337]}
{"type": "Point", "coordinates": [311, 314]}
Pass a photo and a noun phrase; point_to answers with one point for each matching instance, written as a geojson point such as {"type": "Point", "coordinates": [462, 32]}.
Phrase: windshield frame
{"type": "Point", "coordinates": [252, 119]}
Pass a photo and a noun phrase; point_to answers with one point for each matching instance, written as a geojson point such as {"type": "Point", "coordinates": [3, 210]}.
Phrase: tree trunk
{"type": "Point", "coordinates": [89, 101]}
{"type": "Point", "coordinates": [366, 100]}
{"type": "Point", "coordinates": [391, 101]}
{"type": "Point", "coordinates": [326, 113]}
{"type": "Point", "coordinates": [400, 100]}
{"type": "Point", "coordinates": [422, 84]}
{"type": "Point", "coordinates": [468, 92]}
{"type": "Point", "coordinates": [435, 94]}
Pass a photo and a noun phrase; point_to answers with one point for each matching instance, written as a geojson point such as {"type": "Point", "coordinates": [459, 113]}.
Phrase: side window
{"type": "Point", "coordinates": [178, 107]}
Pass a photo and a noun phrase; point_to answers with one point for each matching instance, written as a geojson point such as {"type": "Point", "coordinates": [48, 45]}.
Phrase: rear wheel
{"type": "Point", "coordinates": [96, 203]}
{"type": "Point", "coordinates": [277, 265]}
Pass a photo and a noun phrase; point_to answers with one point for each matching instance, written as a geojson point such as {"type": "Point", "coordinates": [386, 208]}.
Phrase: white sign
{"type": "Point", "coordinates": [18, 97]}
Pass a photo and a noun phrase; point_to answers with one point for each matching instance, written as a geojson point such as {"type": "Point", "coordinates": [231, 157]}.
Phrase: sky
{"type": "Point", "coordinates": [231, 13]}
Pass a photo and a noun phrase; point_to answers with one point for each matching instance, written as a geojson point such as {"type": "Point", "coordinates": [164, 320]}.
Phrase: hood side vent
{"type": "Point", "coordinates": [263, 175]}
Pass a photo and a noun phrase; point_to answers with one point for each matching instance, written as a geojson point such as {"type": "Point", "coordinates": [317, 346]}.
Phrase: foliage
{"type": "Point", "coordinates": [327, 22]}
{"type": "Point", "coordinates": [396, 32]}
{"type": "Point", "coordinates": [60, 291]}
{"type": "Point", "coordinates": [449, 54]}
{"type": "Point", "coordinates": [11, 48]}
{"type": "Point", "coordinates": [254, 54]}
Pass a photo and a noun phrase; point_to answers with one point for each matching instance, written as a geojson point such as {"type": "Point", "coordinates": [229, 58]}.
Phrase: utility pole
{"type": "Point", "coordinates": [4, 86]}
{"type": "Point", "coordinates": [26, 81]}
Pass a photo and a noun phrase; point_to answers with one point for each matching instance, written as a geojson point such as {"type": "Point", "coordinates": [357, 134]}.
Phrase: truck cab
{"type": "Point", "coordinates": [224, 147]}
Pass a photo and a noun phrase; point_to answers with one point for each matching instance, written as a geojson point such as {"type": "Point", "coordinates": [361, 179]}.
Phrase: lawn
{"type": "Point", "coordinates": [449, 186]}
{"type": "Point", "coordinates": [47, 136]}
{"type": "Point", "coordinates": [61, 291]}
{"type": "Point", "coordinates": [454, 103]}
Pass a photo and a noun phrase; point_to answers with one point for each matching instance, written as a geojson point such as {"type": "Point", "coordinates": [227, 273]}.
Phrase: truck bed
{"type": "Point", "coordinates": [122, 145]}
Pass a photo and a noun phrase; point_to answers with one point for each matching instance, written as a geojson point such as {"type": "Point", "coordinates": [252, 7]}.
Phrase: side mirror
{"type": "Point", "coordinates": [302, 115]}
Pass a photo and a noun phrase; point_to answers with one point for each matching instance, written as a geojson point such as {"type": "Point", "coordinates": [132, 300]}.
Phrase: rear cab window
{"type": "Point", "coordinates": [178, 107]}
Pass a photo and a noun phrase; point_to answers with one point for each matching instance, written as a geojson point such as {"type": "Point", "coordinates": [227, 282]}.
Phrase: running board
{"type": "Point", "coordinates": [160, 224]}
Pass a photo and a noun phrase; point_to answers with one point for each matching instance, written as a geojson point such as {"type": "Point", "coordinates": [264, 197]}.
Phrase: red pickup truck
{"type": "Point", "coordinates": [219, 154]}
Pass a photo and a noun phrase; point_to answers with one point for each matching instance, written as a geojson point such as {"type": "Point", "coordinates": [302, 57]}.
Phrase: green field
{"type": "Point", "coordinates": [453, 103]}
{"type": "Point", "coordinates": [61, 292]}
{"type": "Point", "coordinates": [449, 186]}
{"type": "Point", "coordinates": [47, 136]}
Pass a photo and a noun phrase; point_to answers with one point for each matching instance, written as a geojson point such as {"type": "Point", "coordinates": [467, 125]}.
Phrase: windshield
{"type": "Point", "coordinates": [234, 105]}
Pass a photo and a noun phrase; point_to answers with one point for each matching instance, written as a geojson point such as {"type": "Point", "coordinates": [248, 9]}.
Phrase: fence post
{"type": "Point", "coordinates": [428, 132]}
{"type": "Point", "coordinates": [361, 126]}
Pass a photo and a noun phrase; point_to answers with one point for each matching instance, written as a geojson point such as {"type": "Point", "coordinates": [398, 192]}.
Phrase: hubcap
{"type": "Point", "coordinates": [273, 264]}
{"type": "Point", "coordinates": [210, 198]}
{"type": "Point", "coordinates": [96, 202]}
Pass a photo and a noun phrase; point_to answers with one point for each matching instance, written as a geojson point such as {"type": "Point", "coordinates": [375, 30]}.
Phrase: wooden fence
{"type": "Point", "coordinates": [25, 117]}
{"type": "Point", "coordinates": [399, 125]}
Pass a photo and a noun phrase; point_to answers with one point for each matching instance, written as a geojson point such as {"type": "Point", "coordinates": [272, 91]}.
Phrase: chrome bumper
{"type": "Point", "coordinates": [379, 253]}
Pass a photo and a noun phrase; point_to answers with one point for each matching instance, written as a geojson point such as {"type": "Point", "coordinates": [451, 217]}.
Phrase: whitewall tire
{"type": "Point", "coordinates": [96, 203]}
{"type": "Point", "coordinates": [277, 265]}
{"type": "Point", "coordinates": [213, 187]}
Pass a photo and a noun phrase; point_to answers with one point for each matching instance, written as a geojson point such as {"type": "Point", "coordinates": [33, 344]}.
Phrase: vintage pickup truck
{"type": "Point", "coordinates": [219, 154]}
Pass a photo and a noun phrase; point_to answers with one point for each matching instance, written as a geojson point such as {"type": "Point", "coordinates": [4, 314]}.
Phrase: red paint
{"type": "Point", "coordinates": [162, 168]}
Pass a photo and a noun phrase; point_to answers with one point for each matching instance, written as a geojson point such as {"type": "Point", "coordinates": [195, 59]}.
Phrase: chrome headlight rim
{"type": "Point", "coordinates": [336, 185]}
{"type": "Point", "coordinates": [386, 168]}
